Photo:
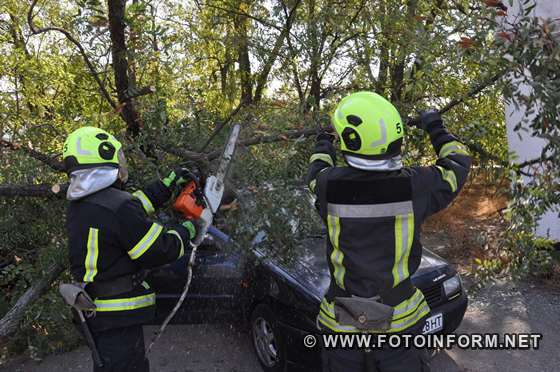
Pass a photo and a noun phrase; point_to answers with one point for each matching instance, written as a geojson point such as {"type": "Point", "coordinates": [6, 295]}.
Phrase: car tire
{"type": "Point", "coordinates": [264, 333]}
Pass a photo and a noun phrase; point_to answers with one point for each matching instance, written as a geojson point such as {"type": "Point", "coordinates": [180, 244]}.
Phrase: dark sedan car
{"type": "Point", "coordinates": [280, 297]}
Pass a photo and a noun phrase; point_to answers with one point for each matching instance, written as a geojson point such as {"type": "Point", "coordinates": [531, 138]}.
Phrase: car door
{"type": "Point", "coordinates": [214, 291]}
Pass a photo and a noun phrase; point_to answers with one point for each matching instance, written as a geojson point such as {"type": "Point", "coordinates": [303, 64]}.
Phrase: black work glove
{"type": "Point", "coordinates": [178, 177]}
{"type": "Point", "coordinates": [429, 119]}
{"type": "Point", "coordinates": [326, 136]}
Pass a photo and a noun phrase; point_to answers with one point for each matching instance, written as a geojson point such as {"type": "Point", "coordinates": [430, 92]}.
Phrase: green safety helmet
{"type": "Point", "coordinates": [90, 147]}
{"type": "Point", "coordinates": [369, 126]}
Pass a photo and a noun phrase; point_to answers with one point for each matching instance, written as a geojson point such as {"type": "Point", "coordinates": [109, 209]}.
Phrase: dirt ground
{"type": "Point", "coordinates": [469, 229]}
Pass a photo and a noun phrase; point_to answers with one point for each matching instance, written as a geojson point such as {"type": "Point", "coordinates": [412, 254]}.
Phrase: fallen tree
{"type": "Point", "coordinates": [40, 190]}
{"type": "Point", "coordinates": [9, 322]}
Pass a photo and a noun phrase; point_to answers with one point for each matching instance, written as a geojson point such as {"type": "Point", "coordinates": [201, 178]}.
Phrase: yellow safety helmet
{"type": "Point", "coordinates": [369, 126]}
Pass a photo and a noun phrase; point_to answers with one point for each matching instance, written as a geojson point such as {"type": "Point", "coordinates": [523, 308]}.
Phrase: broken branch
{"type": "Point", "coordinates": [40, 190]}
{"type": "Point", "coordinates": [257, 140]}
{"type": "Point", "coordinates": [48, 159]}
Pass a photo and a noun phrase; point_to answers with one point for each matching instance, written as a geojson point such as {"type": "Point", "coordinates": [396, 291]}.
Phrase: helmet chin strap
{"type": "Point", "coordinates": [123, 167]}
{"type": "Point", "coordinates": [394, 163]}
{"type": "Point", "coordinates": [123, 174]}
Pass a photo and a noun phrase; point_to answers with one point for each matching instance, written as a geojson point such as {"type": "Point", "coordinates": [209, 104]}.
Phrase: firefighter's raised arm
{"type": "Point", "coordinates": [323, 157]}
{"type": "Point", "coordinates": [443, 180]}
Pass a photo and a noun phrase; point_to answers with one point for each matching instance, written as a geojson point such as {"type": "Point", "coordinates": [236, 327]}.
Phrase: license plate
{"type": "Point", "coordinates": [433, 324]}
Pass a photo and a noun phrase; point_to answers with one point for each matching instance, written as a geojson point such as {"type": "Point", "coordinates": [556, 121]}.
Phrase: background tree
{"type": "Point", "coordinates": [168, 77]}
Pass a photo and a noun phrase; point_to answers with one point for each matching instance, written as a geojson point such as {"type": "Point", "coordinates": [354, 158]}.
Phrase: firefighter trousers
{"type": "Point", "coordinates": [384, 359]}
{"type": "Point", "coordinates": [122, 350]}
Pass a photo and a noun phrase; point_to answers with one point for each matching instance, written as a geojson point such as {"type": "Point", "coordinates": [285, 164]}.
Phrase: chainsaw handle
{"type": "Point", "coordinates": [189, 203]}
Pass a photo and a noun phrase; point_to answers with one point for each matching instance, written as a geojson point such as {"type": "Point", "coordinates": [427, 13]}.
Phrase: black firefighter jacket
{"type": "Point", "coordinates": [111, 240]}
{"type": "Point", "coordinates": [374, 220]}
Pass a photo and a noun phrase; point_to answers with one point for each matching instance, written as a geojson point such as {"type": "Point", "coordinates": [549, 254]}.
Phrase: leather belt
{"type": "Point", "coordinates": [116, 286]}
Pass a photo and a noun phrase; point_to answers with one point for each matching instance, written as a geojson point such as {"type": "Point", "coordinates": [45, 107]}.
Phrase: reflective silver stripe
{"type": "Point", "coordinates": [146, 202]}
{"type": "Point", "coordinates": [79, 148]}
{"type": "Point", "coordinates": [146, 242]}
{"type": "Point", "coordinates": [370, 210]}
{"type": "Point", "coordinates": [383, 139]}
{"type": "Point", "coordinates": [393, 163]}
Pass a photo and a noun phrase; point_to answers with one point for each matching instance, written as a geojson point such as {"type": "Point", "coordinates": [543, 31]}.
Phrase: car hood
{"type": "Point", "coordinates": [309, 265]}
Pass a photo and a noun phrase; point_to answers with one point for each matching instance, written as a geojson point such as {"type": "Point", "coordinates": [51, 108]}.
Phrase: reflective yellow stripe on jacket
{"type": "Point", "coordinates": [146, 242]}
{"type": "Point", "coordinates": [405, 315]}
{"type": "Point", "coordinates": [123, 304]}
{"type": "Point", "coordinates": [323, 157]}
{"type": "Point", "coordinates": [404, 235]}
{"type": "Point", "coordinates": [182, 251]}
{"type": "Point", "coordinates": [449, 177]}
{"type": "Point", "coordinates": [92, 255]}
{"type": "Point", "coordinates": [452, 147]}
{"type": "Point", "coordinates": [146, 202]}
{"type": "Point", "coordinates": [337, 255]}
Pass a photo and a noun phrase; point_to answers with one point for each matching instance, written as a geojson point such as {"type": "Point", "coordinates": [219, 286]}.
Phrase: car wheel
{"type": "Point", "coordinates": [265, 339]}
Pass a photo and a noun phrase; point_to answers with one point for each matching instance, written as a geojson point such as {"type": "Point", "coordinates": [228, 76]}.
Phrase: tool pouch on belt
{"type": "Point", "coordinates": [363, 313]}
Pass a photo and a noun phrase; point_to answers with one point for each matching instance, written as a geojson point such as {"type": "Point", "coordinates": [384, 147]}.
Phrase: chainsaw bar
{"type": "Point", "coordinates": [213, 192]}
{"type": "Point", "coordinates": [214, 188]}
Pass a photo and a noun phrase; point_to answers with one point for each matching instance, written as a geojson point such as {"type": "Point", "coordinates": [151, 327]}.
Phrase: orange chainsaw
{"type": "Point", "coordinates": [190, 202]}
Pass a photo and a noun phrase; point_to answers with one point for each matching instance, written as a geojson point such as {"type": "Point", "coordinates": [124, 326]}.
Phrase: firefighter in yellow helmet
{"type": "Point", "coordinates": [373, 208]}
{"type": "Point", "coordinates": [112, 240]}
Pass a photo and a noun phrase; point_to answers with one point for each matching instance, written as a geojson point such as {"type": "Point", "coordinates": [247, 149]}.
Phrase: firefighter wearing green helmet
{"type": "Point", "coordinates": [373, 208]}
{"type": "Point", "coordinates": [112, 241]}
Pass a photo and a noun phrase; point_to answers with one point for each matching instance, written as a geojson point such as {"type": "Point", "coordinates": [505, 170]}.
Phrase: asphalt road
{"type": "Point", "coordinates": [502, 308]}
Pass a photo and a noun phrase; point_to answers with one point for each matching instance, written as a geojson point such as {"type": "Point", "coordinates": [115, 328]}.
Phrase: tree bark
{"type": "Point", "coordinates": [241, 27]}
{"type": "Point", "coordinates": [41, 190]}
{"type": "Point", "coordinates": [120, 66]}
{"type": "Point", "coordinates": [314, 84]}
{"type": "Point", "coordinates": [9, 323]}
{"type": "Point", "coordinates": [263, 76]}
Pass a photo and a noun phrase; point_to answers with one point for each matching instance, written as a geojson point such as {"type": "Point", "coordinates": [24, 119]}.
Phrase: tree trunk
{"type": "Point", "coordinates": [401, 57]}
{"type": "Point", "coordinates": [263, 76]}
{"type": "Point", "coordinates": [241, 26]}
{"type": "Point", "coordinates": [314, 97]}
{"type": "Point", "coordinates": [9, 323]}
{"type": "Point", "coordinates": [120, 66]}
